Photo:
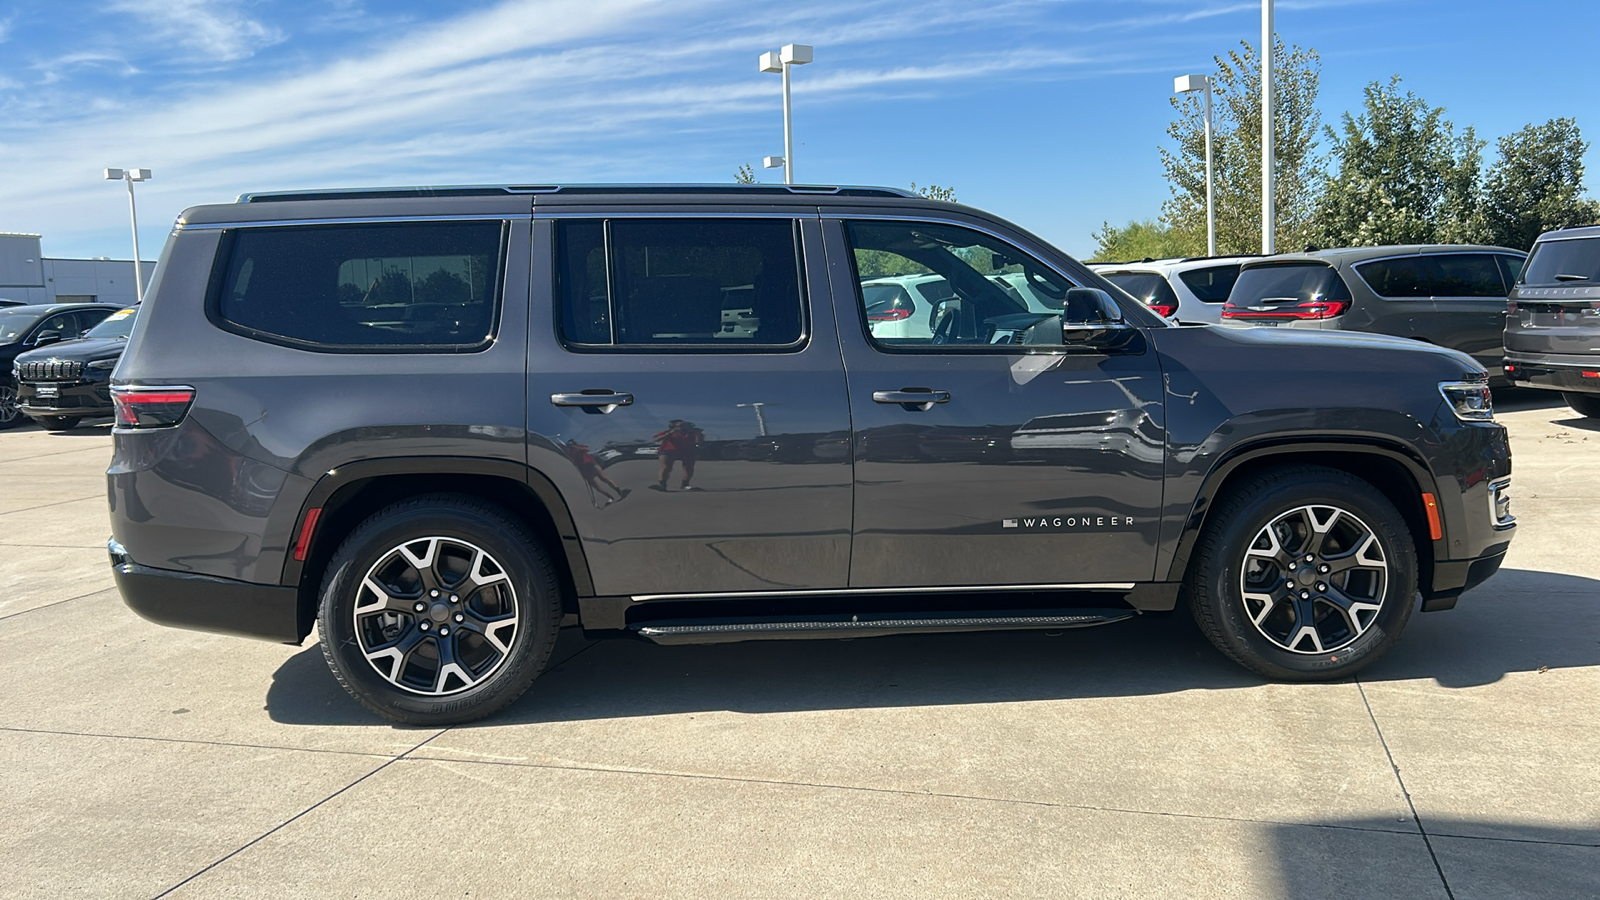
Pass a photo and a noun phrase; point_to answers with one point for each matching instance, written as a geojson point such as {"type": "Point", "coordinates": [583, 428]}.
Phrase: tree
{"type": "Point", "coordinates": [1537, 183]}
{"type": "Point", "coordinates": [935, 192]}
{"type": "Point", "coordinates": [745, 175]}
{"type": "Point", "coordinates": [1405, 176]}
{"type": "Point", "coordinates": [1138, 240]}
{"type": "Point", "coordinates": [1236, 153]}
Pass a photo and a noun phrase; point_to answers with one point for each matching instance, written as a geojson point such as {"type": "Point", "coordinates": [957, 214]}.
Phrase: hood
{"type": "Point", "coordinates": [1351, 344]}
{"type": "Point", "coordinates": [82, 350]}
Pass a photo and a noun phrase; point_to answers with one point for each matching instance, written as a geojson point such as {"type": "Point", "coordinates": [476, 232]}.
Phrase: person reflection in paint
{"type": "Point", "coordinates": [680, 443]}
{"type": "Point", "coordinates": [593, 475]}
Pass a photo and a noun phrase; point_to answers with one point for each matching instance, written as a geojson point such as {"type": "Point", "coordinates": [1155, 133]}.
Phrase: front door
{"type": "Point", "coordinates": [986, 454]}
{"type": "Point", "coordinates": [686, 396]}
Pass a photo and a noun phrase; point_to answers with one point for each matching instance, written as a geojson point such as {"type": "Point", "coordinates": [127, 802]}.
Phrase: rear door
{"type": "Point", "coordinates": [686, 396]}
{"type": "Point", "coordinates": [1469, 306]}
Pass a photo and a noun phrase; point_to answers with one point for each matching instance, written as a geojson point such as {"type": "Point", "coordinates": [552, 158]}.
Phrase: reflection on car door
{"type": "Point", "coordinates": [1041, 467]}
{"type": "Point", "coordinates": [1470, 307]}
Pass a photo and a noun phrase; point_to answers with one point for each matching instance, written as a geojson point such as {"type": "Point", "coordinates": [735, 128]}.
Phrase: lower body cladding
{"type": "Point", "coordinates": [208, 603]}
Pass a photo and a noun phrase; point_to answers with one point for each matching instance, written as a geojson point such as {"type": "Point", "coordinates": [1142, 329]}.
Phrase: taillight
{"type": "Point", "coordinates": [1314, 309]}
{"type": "Point", "coordinates": [1511, 307]}
{"type": "Point", "coordinates": [150, 407]}
{"type": "Point", "coordinates": [889, 315]}
{"type": "Point", "coordinates": [1164, 310]}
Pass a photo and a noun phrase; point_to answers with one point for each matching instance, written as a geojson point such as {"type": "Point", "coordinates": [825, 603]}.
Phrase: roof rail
{"type": "Point", "coordinates": [482, 190]}
{"type": "Point", "coordinates": [1218, 256]}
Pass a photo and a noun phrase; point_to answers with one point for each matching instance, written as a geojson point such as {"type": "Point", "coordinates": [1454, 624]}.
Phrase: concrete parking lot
{"type": "Point", "coordinates": [139, 761]}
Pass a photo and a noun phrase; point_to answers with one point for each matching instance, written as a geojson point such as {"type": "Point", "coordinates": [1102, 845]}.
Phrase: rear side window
{"type": "Point", "coordinates": [1444, 275]}
{"type": "Point", "coordinates": [1298, 282]}
{"type": "Point", "coordinates": [1211, 284]}
{"type": "Point", "coordinates": [713, 284]}
{"type": "Point", "coordinates": [1148, 287]}
{"type": "Point", "coordinates": [379, 287]}
{"type": "Point", "coordinates": [1575, 263]}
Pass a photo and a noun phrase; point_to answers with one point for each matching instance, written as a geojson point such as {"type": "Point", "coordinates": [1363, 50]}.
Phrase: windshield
{"type": "Point", "coordinates": [1296, 282]}
{"type": "Point", "coordinates": [15, 323]}
{"type": "Point", "coordinates": [116, 325]}
{"type": "Point", "coordinates": [1574, 262]}
{"type": "Point", "coordinates": [1147, 287]}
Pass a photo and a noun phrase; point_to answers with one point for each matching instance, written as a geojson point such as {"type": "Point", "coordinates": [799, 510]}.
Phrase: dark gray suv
{"type": "Point", "coordinates": [448, 422]}
{"type": "Point", "coordinates": [1553, 327]}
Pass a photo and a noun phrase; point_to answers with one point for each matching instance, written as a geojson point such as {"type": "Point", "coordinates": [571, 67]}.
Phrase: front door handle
{"type": "Point", "coordinates": [598, 402]}
{"type": "Point", "coordinates": [912, 399]}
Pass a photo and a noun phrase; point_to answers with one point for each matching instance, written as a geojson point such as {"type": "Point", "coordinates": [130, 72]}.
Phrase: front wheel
{"type": "Point", "coordinates": [10, 414]}
{"type": "Point", "coordinates": [1585, 404]}
{"type": "Point", "coordinates": [58, 423]}
{"type": "Point", "coordinates": [439, 610]}
{"type": "Point", "coordinates": [1303, 573]}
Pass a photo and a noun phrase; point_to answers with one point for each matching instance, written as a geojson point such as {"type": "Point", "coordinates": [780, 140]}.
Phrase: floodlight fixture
{"type": "Point", "coordinates": [778, 62]}
{"type": "Point", "coordinates": [129, 176]}
{"type": "Point", "coordinates": [772, 162]}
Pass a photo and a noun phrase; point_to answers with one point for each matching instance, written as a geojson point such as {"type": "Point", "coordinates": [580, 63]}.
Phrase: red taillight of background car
{"type": "Point", "coordinates": [151, 407]}
{"type": "Point", "coordinates": [888, 315]}
{"type": "Point", "coordinates": [1312, 309]}
{"type": "Point", "coordinates": [1164, 310]}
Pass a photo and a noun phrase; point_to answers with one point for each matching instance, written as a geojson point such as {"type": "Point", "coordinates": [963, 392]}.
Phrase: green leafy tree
{"type": "Point", "coordinates": [1236, 153]}
{"type": "Point", "coordinates": [745, 175]}
{"type": "Point", "coordinates": [1404, 176]}
{"type": "Point", "coordinates": [1537, 184]}
{"type": "Point", "coordinates": [1140, 240]}
{"type": "Point", "coordinates": [935, 192]}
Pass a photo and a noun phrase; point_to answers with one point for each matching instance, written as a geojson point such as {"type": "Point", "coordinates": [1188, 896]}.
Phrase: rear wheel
{"type": "Point", "coordinates": [439, 610]}
{"type": "Point", "coordinates": [1585, 404]}
{"type": "Point", "coordinates": [58, 423]}
{"type": "Point", "coordinates": [9, 413]}
{"type": "Point", "coordinates": [1303, 573]}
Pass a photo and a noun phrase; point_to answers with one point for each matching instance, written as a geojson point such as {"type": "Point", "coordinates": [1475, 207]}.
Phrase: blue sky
{"type": "Point", "coordinates": [1047, 113]}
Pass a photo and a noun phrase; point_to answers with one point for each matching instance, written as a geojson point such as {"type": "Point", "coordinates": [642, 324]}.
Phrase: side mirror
{"type": "Point", "coordinates": [1091, 320]}
{"type": "Point", "coordinates": [46, 337]}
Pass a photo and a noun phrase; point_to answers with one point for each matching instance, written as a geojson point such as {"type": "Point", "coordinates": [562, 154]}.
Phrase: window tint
{"type": "Point", "coordinates": [981, 291]}
{"type": "Point", "coordinates": [1299, 282]}
{"type": "Point", "coordinates": [1510, 268]}
{"type": "Point", "coordinates": [14, 324]}
{"type": "Point", "coordinates": [1440, 275]}
{"type": "Point", "coordinates": [377, 287]}
{"type": "Point", "coordinates": [1146, 287]}
{"type": "Point", "coordinates": [1574, 262]}
{"type": "Point", "coordinates": [716, 283]}
{"type": "Point", "coordinates": [1212, 283]}
{"type": "Point", "coordinates": [1409, 276]}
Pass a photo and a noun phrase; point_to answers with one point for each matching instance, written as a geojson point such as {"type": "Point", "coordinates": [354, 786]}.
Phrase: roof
{"type": "Point", "coordinates": [492, 190]}
{"type": "Point", "coordinates": [1336, 255]}
{"type": "Point", "coordinates": [1567, 234]}
{"type": "Point", "coordinates": [56, 307]}
{"type": "Point", "coordinates": [1171, 264]}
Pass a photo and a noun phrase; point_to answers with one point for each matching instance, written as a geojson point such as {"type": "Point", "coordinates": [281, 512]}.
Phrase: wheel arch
{"type": "Point", "coordinates": [1393, 469]}
{"type": "Point", "coordinates": [348, 494]}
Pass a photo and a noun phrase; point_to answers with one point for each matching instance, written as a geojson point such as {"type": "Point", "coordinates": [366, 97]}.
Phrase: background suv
{"type": "Point", "coordinates": [1185, 290]}
{"type": "Point", "coordinates": [25, 327]}
{"type": "Point", "coordinates": [1553, 325]}
{"type": "Point", "coordinates": [1452, 295]}
{"type": "Point", "coordinates": [439, 424]}
{"type": "Point", "coordinates": [61, 385]}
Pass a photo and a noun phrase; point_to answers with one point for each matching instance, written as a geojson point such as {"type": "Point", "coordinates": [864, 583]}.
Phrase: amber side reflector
{"type": "Point", "coordinates": [1435, 530]}
{"type": "Point", "coordinates": [302, 546]}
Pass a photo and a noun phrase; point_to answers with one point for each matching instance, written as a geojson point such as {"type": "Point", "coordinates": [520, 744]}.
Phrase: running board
{"type": "Point", "coordinates": [725, 631]}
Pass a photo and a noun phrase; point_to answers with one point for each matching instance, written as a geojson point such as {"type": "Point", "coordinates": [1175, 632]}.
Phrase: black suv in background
{"type": "Point", "coordinates": [62, 385]}
{"type": "Point", "coordinates": [23, 328]}
{"type": "Point", "coordinates": [1553, 326]}
{"type": "Point", "coordinates": [1452, 295]}
{"type": "Point", "coordinates": [449, 421]}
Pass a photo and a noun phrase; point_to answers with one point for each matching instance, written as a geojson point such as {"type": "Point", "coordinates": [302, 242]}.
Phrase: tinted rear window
{"type": "Point", "coordinates": [1213, 283]}
{"type": "Point", "coordinates": [1579, 258]}
{"type": "Point", "coordinates": [1300, 283]}
{"type": "Point", "coordinates": [1146, 287]}
{"type": "Point", "coordinates": [425, 286]}
{"type": "Point", "coordinates": [1441, 275]}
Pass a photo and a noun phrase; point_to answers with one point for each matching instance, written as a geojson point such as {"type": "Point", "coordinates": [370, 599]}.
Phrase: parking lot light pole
{"type": "Point", "coordinates": [1268, 209]}
{"type": "Point", "coordinates": [1188, 84]}
{"type": "Point", "coordinates": [130, 176]}
{"type": "Point", "coordinates": [780, 62]}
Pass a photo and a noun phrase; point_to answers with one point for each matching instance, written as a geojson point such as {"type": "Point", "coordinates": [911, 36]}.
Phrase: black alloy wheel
{"type": "Point", "coordinates": [10, 414]}
{"type": "Point", "coordinates": [439, 610]}
{"type": "Point", "coordinates": [1303, 573]}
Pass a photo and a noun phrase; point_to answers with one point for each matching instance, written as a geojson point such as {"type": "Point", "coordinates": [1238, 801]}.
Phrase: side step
{"type": "Point", "coordinates": [725, 631]}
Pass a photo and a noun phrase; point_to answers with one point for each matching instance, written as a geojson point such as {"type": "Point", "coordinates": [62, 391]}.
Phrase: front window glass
{"type": "Point", "coordinates": [14, 324]}
{"type": "Point", "coordinates": [1213, 283]}
{"type": "Point", "coordinates": [975, 290]}
{"type": "Point", "coordinates": [116, 325]}
{"type": "Point", "coordinates": [1575, 263]}
{"type": "Point", "coordinates": [1437, 275]}
{"type": "Point", "coordinates": [376, 287]}
{"type": "Point", "coordinates": [1294, 282]}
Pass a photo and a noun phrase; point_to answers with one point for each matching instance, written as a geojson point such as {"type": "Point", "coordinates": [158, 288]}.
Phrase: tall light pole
{"type": "Point", "coordinates": [130, 176]}
{"type": "Point", "coordinates": [1188, 84]}
{"type": "Point", "coordinates": [779, 62]}
{"type": "Point", "coordinates": [1268, 209]}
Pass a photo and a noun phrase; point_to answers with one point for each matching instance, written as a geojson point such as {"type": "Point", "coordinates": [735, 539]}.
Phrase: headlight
{"type": "Point", "coordinates": [102, 364]}
{"type": "Point", "coordinates": [1471, 400]}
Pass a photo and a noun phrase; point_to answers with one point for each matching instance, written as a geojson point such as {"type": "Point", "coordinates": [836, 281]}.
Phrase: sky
{"type": "Point", "coordinates": [1046, 112]}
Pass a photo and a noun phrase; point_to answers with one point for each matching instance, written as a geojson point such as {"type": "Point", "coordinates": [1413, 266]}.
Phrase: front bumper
{"type": "Point", "coordinates": [1454, 577]}
{"type": "Point", "coordinates": [80, 398]}
{"type": "Point", "coordinates": [207, 603]}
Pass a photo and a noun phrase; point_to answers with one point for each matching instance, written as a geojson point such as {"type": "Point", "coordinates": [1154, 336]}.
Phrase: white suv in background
{"type": "Point", "coordinates": [901, 306]}
{"type": "Point", "coordinates": [1185, 290]}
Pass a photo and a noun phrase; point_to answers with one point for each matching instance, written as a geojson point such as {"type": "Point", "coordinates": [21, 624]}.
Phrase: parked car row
{"type": "Point", "coordinates": [29, 327]}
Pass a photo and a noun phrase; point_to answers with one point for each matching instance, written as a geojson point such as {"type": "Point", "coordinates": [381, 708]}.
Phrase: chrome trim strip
{"type": "Point", "coordinates": [353, 220]}
{"type": "Point", "coordinates": [957, 589]}
{"type": "Point", "coordinates": [559, 212]}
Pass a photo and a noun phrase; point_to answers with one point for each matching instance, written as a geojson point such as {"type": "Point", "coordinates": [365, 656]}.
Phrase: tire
{"type": "Point", "coordinates": [10, 415]}
{"type": "Point", "coordinates": [1584, 404]}
{"type": "Point", "coordinates": [491, 610]}
{"type": "Point", "coordinates": [1266, 629]}
{"type": "Point", "coordinates": [57, 423]}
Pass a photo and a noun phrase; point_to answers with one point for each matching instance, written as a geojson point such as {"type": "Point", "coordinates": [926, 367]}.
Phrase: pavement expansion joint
{"type": "Point", "coordinates": [23, 612]}
{"type": "Point", "coordinates": [1445, 882]}
{"type": "Point", "coordinates": [48, 505]}
{"type": "Point", "coordinates": [209, 743]}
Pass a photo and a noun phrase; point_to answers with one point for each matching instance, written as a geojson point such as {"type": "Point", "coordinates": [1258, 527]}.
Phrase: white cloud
{"type": "Point", "coordinates": [216, 29]}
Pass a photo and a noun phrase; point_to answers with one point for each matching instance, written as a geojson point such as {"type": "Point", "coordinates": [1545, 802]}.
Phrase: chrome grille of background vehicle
{"type": "Point", "coordinates": [50, 370]}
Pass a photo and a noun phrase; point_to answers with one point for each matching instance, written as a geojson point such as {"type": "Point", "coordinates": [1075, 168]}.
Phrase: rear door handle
{"type": "Point", "coordinates": [593, 401]}
{"type": "Point", "coordinates": [912, 399]}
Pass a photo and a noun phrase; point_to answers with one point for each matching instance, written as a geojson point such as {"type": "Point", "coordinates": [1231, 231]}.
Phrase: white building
{"type": "Point", "coordinates": [26, 274]}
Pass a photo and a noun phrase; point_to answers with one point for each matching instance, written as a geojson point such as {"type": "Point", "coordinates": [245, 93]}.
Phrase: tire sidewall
{"type": "Point", "coordinates": [537, 611]}
{"type": "Point", "coordinates": [1224, 592]}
